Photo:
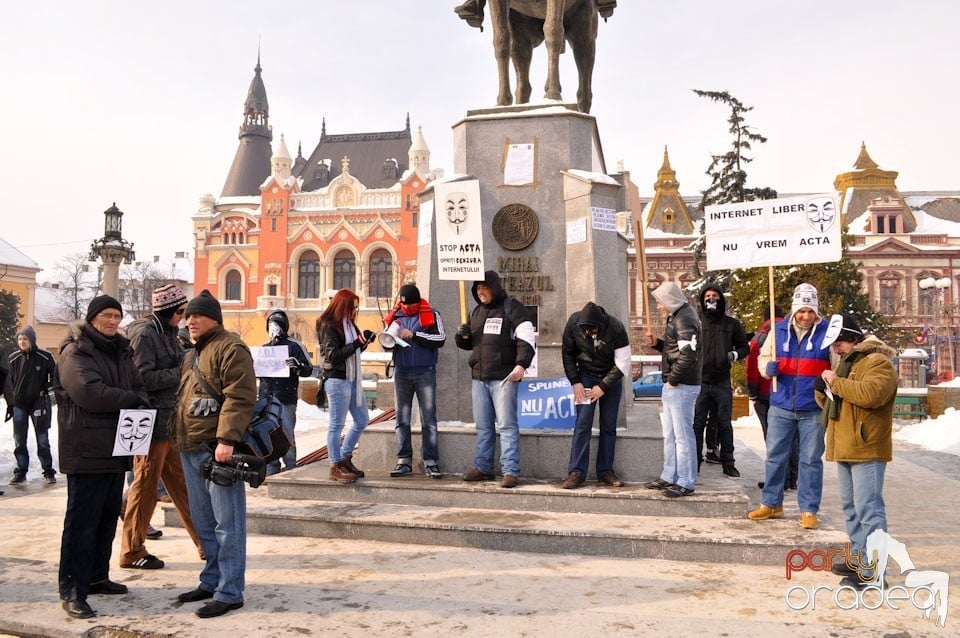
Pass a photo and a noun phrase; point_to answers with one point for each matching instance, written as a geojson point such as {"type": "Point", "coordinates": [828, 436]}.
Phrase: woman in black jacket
{"type": "Point", "coordinates": [341, 343]}
{"type": "Point", "coordinates": [95, 379]}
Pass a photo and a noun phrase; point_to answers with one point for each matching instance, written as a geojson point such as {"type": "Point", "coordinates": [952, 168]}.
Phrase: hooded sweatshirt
{"type": "Point", "coordinates": [680, 359]}
{"type": "Point", "coordinates": [285, 389]}
{"type": "Point", "coordinates": [721, 335]}
{"type": "Point", "coordinates": [500, 334]}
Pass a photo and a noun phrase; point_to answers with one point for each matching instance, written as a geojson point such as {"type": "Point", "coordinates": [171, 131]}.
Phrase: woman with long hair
{"type": "Point", "coordinates": [341, 343]}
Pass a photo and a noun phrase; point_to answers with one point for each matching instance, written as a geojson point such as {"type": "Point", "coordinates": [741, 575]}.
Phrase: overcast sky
{"type": "Point", "coordinates": [140, 103]}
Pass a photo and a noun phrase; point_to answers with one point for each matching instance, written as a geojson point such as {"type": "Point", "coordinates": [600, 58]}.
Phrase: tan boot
{"type": "Point", "coordinates": [348, 464]}
{"type": "Point", "coordinates": [341, 474]}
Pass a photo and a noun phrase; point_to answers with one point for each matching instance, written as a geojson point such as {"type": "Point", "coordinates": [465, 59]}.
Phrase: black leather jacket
{"type": "Point", "coordinates": [680, 347]}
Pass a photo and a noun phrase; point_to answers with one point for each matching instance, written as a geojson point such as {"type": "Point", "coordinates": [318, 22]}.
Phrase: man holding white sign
{"type": "Point", "coordinates": [285, 388]}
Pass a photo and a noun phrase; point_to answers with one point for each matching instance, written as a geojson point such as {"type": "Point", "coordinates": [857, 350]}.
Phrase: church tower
{"type": "Point", "coordinates": [251, 164]}
{"type": "Point", "coordinates": [667, 211]}
{"type": "Point", "coordinates": [419, 155]}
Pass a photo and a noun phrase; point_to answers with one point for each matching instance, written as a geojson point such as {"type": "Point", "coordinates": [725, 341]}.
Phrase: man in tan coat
{"type": "Point", "coordinates": [858, 397]}
{"type": "Point", "coordinates": [216, 398]}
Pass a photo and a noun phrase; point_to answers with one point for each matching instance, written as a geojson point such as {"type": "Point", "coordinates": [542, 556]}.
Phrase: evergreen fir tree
{"type": "Point", "coordinates": [9, 321]}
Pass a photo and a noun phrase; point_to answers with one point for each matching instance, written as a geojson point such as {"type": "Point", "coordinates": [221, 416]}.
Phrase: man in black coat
{"type": "Point", "coordinates": [27, 392]}
{"type": "Point", "coordinates": [723, 342]}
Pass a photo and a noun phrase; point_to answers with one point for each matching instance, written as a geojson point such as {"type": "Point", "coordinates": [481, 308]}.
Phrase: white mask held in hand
{"type": "Point", "coordinates": [273, 328]}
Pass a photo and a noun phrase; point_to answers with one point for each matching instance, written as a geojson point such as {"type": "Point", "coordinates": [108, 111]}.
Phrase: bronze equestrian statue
{"type": "Point", "coordinates": [519, 26]}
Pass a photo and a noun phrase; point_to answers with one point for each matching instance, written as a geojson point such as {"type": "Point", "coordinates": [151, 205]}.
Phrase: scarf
{"type": "Point", "coordinates": [422, 307]}
{"type": "Point", "coordinates": [354, 370]}
{"type": "Point", "coordinates": [831, 409]}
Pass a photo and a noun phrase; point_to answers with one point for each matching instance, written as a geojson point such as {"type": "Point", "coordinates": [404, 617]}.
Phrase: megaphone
{"type": "Point", "coordinates": [391, 337]}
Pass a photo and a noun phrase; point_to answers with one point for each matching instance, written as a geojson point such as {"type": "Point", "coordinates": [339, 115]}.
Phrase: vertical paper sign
{"type": "Point", "coordinates": [134, 432]}
{"type": "Point", "coordinates": [425, 229]}
{"type": "Point", "coordinates": [459, 231]}
{"type": "Point", "coordinates": [518, 166]}
{"type": "Point", "coordinates": [603, 218]}
{"type": "Point", "coordinates": [773, 232]}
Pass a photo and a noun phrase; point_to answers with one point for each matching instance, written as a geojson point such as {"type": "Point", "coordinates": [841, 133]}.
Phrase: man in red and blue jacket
{"type": "Point", "coordinates": [795, 358]}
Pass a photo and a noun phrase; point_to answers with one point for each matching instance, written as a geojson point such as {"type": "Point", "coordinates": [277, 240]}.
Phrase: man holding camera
{"type": "Point", "coordinates": [207, 432]}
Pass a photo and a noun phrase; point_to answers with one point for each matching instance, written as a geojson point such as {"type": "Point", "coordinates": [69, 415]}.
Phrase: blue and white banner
{"type": "Point", "coordinates": [546, 404]}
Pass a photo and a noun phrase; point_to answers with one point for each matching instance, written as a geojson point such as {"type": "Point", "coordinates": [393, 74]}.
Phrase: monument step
{"type": "Point", "coordinates": [685, 538]}
{"type": "Point", "coordinates": [715, 498]}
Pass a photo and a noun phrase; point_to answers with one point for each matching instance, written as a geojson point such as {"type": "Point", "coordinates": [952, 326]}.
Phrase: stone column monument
{"type": "Point", "coordinates": [548, 217]}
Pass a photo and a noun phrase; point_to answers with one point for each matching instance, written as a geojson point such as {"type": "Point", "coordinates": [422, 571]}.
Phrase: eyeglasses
{"type": "Point", "coordinates": [110, 316]}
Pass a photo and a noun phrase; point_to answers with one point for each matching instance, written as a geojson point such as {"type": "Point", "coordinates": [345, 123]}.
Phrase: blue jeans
{"type": "Point", "coordinates": [421, 382]}
{"type": "Point", "coordinates": [41, 428]}
{"type": "Point", "coordinates": [679, 442]}
{"type": "Point", "coordinates": [715, 400]}
{"type": "Point", "coordinates": [219, 514]}
{"type": "Point", "coordinates": [495, 412]}
{"type": "Point", "coordinates": [782, 426]}
{"type": "Point", "coordinates": [861, 498]}
{"type": "Point", "coordinates": [583, 429]}
{"type": "Point", "coordinates": [342, 400]}
{"type": "Point", "coordinates": [289, 424]}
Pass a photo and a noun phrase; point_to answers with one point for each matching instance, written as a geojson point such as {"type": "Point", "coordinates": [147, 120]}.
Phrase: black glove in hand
{"type": "Point", "coordinates": [463, 330]}
{"type": "Point", "coordinates": [819, 384]}
{"type": "Point", "coordinates": [368, 335]}
{"type": "Point", "coordinates": [732, 356]}
{"type": "Point", "coordinates": [293, 363]}
{"type": "Point", "coordinates": [9, 414]}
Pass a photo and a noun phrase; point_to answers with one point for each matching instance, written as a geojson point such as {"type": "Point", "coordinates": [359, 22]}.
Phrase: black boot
{"type": "Point", "coordinates": [731, 470]}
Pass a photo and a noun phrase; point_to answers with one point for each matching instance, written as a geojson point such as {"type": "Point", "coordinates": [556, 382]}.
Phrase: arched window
{"type": "Point", "coordinates": [308, 282]}
{"type": "Point", "coordinates": [381, 274]}
{"type": "Point", "coordinates": [344, 270]}
{"type": "Point", "coordinates": [233, 282]}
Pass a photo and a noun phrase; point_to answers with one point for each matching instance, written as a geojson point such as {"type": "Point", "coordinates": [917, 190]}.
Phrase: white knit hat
{"type": "Point", "coordinates": [805, 296]}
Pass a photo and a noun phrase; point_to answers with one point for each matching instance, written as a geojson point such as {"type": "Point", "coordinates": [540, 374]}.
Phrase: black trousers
{"type": "Point", "coordinates": [90, 523]}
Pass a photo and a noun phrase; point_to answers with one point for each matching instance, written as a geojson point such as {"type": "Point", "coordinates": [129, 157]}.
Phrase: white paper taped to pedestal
{"type": "Point", "coordinates": [391, 337]}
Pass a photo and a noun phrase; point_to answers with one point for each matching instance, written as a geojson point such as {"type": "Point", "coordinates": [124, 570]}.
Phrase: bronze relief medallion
{"type": "Point", "coordinates": [515, 226]}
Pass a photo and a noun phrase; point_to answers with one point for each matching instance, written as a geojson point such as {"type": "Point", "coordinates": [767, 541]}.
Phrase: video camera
{"type": "Point", "coordinates": [244, 467]}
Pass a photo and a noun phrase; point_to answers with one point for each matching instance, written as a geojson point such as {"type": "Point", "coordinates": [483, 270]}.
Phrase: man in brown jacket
{"type": "Point", "coordinates": [857, 399]}
{"type": "Point", "coordinates": [216, 398]}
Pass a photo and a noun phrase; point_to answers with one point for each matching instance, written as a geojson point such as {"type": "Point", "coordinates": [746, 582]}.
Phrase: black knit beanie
{"type": "Point", "coordinates": [204, 304]}
{"type": "Point", "coordinates": [101, 303]}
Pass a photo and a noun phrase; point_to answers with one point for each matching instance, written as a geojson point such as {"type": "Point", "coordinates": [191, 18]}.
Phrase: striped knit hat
{"type": "Point", "coordinates": [169, 296]}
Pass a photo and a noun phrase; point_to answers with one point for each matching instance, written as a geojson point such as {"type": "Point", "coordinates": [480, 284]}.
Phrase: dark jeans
{"type": "Point", "coordinates": [715, 400]}
{"type": "Point", "coordinates": [89, 525]}
{"type": "Point", "coordinates": [423, 384]}
{"type": "Point", "coordinates": [41, 428]}
{"type": "Point", "coordinates": [761, 407]}
{"type": "Point", "coordinates": [583, 429]}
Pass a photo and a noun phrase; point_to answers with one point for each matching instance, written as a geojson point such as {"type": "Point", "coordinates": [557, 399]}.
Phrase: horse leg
{"type": "Point", "coordinates": [553, 37]}
{"type": "Point", "coordinates": [499, 20]}
{"type": "Point", "coordinates": [525, 36]}
{"type": "Point", "coordinates": [581, 32]}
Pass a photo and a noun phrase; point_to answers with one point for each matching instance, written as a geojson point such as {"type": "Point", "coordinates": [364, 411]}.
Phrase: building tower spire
{"type": "Point", "coordinates": [251, 164]}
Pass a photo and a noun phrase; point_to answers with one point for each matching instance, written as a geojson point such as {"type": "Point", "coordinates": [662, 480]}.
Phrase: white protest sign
{"type": "Point", "coordinates": [459, 231]}
{"type": "Point", "coordinates": [134, 432]}
{"type": "Point", "coordinates": [773, 232]}
{"type": "Point", "coordinates": [270, 361]}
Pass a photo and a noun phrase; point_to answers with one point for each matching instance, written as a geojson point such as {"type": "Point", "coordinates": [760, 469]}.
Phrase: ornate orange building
{"type": "Point", "coordinates": [286, 232]}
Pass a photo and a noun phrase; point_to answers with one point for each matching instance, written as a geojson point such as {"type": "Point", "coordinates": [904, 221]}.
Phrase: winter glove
{"type": "Point", "coordinates": [732, 356]}
{"type": "Point", "coordinates": [9, 414]}
{"type": "Point", "coordinates": [368, 335]}
{"type": "Point", "coordinates": [753, 390]}
{"type": "Point", "coordinates": [819, 384]}
{"type": "Point", "coordinates": [203, 406]}
{"type": "Point", "coordinates": [773, 369]}
{"type": "Point", "coordinates": [293, 363]}
{"type": "Point", "coordinates": [463, 331]}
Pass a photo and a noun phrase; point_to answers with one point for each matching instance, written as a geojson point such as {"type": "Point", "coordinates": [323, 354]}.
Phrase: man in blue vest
{"type": "Point", "coordinates": [795, 358]}
{"type": "Point", "coordinates": [418, 335]}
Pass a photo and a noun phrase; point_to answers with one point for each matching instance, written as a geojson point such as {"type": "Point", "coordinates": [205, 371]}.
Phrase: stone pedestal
{"type": "Point", "coordinates": [569, 262]}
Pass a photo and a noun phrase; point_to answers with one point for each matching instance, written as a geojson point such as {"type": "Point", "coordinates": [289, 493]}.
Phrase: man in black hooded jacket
{"type": "Point", "coordinates": [285, 389]}
{"type": "Point", "coordinates": [27, 393]}
{"type": "Point", "coordinates": [723, 342]}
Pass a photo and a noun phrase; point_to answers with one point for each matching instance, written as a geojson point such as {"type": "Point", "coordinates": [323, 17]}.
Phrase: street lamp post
{"type": "Point", "coordinates": [112, 249]}
{"type": "Point", "coordinates": [936, 287]}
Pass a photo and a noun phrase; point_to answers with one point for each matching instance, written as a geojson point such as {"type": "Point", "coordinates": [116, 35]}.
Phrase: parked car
{"type": "Point", "coordinates": [648, 386]}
